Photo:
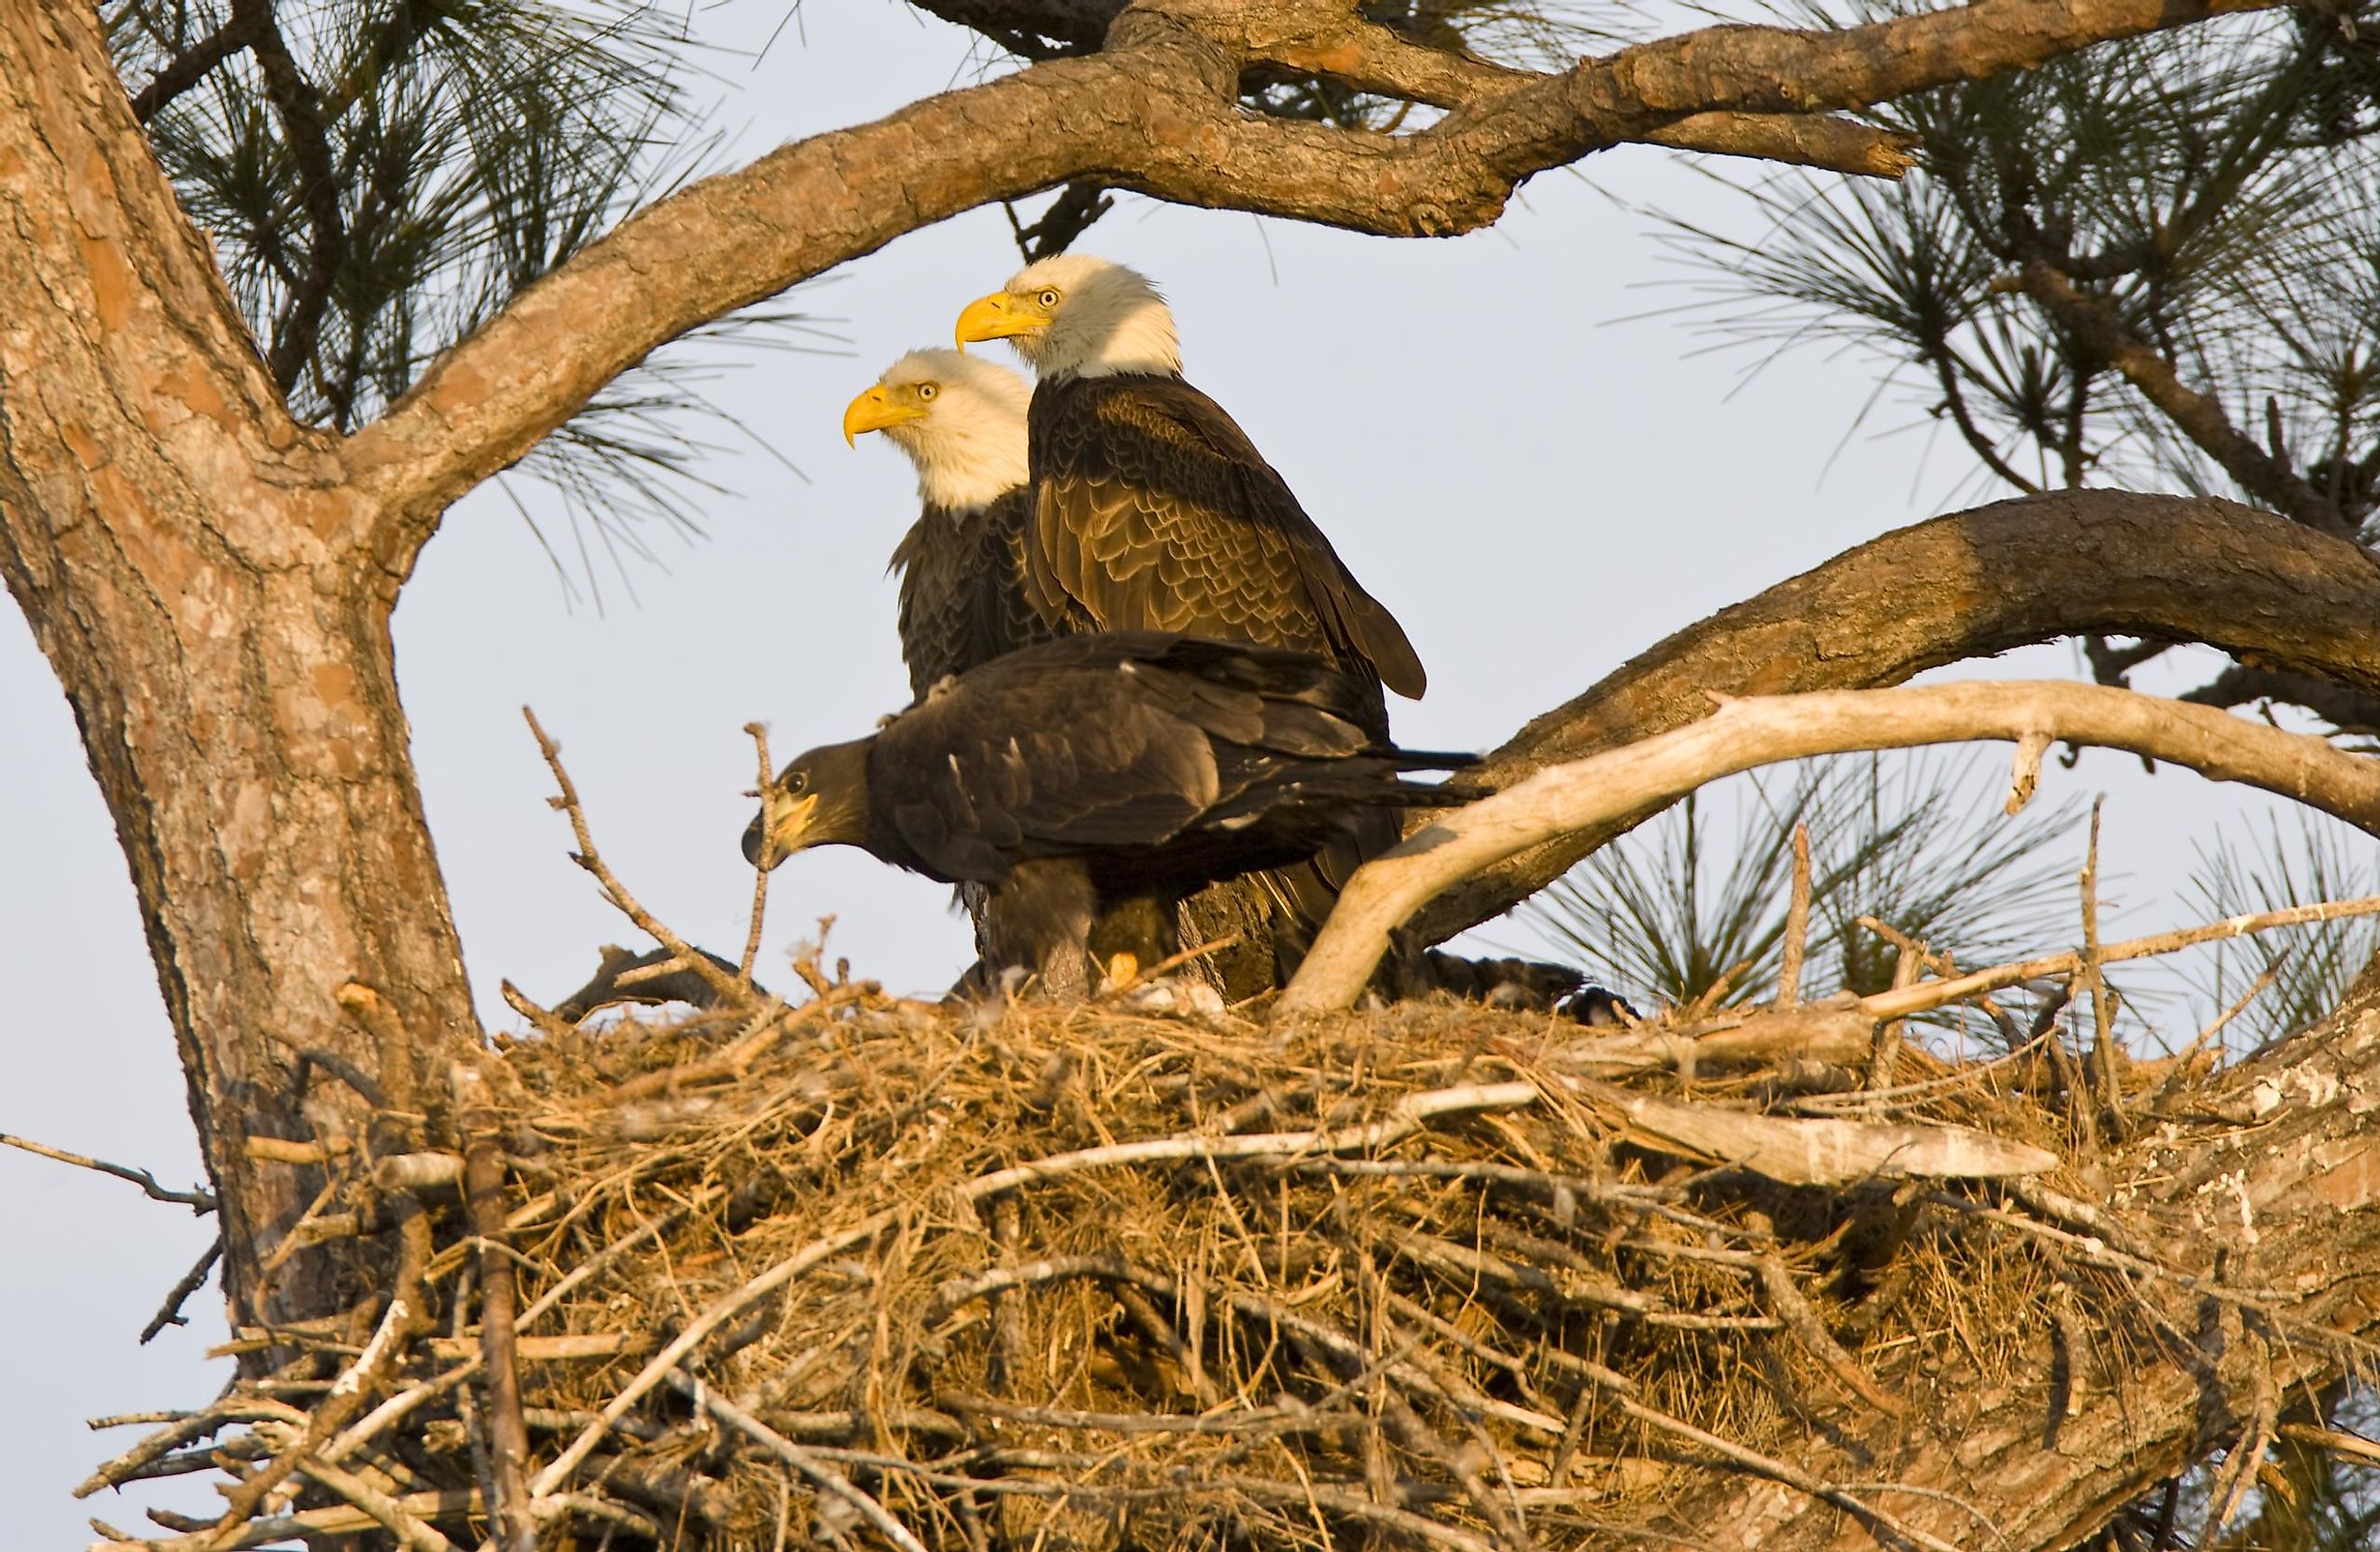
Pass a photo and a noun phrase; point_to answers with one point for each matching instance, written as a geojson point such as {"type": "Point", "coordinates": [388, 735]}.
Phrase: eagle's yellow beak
{"type": "Point", "coordinates": [788, 822]}
{"type": "Point", "coordinates": [878, 407]}
{"type": "Point", "coordinates": [997, 316]}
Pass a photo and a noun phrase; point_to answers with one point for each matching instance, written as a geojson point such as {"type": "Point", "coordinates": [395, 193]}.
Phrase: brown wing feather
{"type": "Point", "coordinates": [1154, 511]}
{"type": "Point", "coordinates": [964, 599]}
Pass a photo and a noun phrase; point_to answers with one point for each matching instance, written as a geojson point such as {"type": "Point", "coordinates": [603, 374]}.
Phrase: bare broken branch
{"type": "Point", "coordinates": [1744, 734]}
{"type": "Point", "coordinates": [724, 984]}
{"type": "Point", "coordinates": [195, 1200]}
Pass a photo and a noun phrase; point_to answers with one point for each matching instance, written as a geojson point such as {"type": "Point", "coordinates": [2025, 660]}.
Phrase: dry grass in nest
{"type": "Point", "coordinates": [1043, 1277]}
{"type": "Point", "coordinates": [1073, 1278]}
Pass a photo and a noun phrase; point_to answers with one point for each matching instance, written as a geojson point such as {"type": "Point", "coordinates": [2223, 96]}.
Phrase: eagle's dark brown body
{"type": "Point", "coordinates": [963, 592]}
{"type": "Point", "coordinates": [1072, 777]}
{"type": "Point", "coordinates": [1153, 511]}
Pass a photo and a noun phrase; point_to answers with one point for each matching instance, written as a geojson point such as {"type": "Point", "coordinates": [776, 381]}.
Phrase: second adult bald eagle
{"type": "Point", "coordinates": [1076, 777]}
{"type": "Point", "coordinates": [961, 420]}
{"type": "Point", "coordinates": [1153, 510]}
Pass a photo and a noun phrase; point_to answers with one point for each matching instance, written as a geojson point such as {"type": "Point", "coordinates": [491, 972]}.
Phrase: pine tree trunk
{"type": "Point", "coordinates": [211, 593]}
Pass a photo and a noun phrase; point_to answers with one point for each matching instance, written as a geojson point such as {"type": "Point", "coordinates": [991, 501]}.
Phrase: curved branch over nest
{"type": "Point", "coordinates": [1156, 111]}
{"type": "Point", "coordinates": [1744, 734]}
{"type": "Point", "coordinates": [2008, 575]}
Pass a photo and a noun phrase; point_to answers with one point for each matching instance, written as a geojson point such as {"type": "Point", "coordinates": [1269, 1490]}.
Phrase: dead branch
{"type": "Point", "coordinates": [197, 1201]}
{"type": "Point", "coordinates": [311, 1522]}
{"type": "Point", "coordinates": [409, 1530]}
{"type": "Point", "coordinates": [483, 1195]}
{"type": "Point", "coordinates": [722, 985]}
{"type": "Point", "coordinates": [1929, 994]}
{"type": "Point", "coordinates": [170, 1312]}
{"type": "Point", "coordinates": [1742, 735]}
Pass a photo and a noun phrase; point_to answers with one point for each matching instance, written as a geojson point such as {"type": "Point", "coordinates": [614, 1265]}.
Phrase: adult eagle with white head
{"type": "Point", "coordinates": [1152, 510]}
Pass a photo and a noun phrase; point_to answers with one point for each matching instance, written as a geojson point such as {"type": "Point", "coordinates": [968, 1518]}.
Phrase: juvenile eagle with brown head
{"type": "Point", "coordinates": [1073, 777]}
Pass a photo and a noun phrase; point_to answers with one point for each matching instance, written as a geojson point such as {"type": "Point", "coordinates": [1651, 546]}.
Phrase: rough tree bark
{"type": "Point", "coordinates": [212, 583]}
{"type": "Point", "coordinates": [201, 578]}
{"type": "Point", "coordinates": [1969, 585]}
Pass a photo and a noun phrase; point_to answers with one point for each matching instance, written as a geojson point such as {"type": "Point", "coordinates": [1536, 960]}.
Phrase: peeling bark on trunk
{"type": "Point", "coordinates": [202, 580]}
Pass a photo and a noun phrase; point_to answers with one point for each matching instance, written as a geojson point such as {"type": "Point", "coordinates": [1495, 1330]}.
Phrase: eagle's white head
{"type": "Point", "coordinates": [1074, 315]}
{"type": "Point", "coordinates": [959, 418]}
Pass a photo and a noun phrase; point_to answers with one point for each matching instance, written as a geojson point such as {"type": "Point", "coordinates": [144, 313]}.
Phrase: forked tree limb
{"type": "Point", "coordinates": [1156, 111]}
{"type": "Point", "coordinates": [2033, 570]}
{"type": "Point", "coordinates": [1742, 735]}
{"type": "Point", "coordinates": [2261, 473]}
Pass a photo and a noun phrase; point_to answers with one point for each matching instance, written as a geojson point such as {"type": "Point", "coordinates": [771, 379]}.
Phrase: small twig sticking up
{"type": "Point", "coordinates": [546, 1023]}
{"type": "Point", "coordinates": [2189, 1054]}
{"type": "Point", "coordinates": [195, 1200]}
{"type": "Point", "coordinates": [170, 1312]}
{"type": "Point", "coordinates": [2101, 1065]}
{"type": "Point", "coordinates": [2024, 771]}
{"type": "Point", "coordinates": [1797, 924]}
{"type": "Point", "coordinates": [765, 863]}
{"type": "Point", "coordinates": [1907, 964]}
{"type": "Point", "coordinates": [727, 986]}
{"type": "Point", "coordinates": [483, 1184]}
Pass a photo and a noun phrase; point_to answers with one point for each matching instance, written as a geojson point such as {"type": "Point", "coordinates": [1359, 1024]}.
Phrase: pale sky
{"type": "Point", "coordinates": [1537, 489]}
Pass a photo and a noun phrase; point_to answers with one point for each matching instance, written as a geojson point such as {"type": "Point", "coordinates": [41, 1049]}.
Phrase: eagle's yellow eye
{"type": "Point", "coordinates": [928, 390]}
{"type": "Point", "coordinates": [1048, 299]}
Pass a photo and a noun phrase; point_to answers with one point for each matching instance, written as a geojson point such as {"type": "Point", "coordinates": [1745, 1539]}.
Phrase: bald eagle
{"type": "Point", "coordinates": [1078, 775]}
{"type": "Point", "coordinates": [1152, 510]}
{"type": "Point", "coordinates": [961, 420]}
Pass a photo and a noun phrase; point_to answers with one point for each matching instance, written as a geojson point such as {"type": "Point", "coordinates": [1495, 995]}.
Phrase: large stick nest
{"type": "Point", "coordinates": [1071, 1277]}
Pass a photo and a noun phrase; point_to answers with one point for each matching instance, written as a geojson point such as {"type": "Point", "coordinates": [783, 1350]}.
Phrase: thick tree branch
{"type": "Point", "coordinates": [1373, 58]}
{"type": "Point", "coordinates": [1156, 112]}
{"type": "Point", "coordinates": [2199, 416]}
{"type": "Point", "coordinates": [2032, 570]}
{"type": "Point", "coordinates": [1743, 735]}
